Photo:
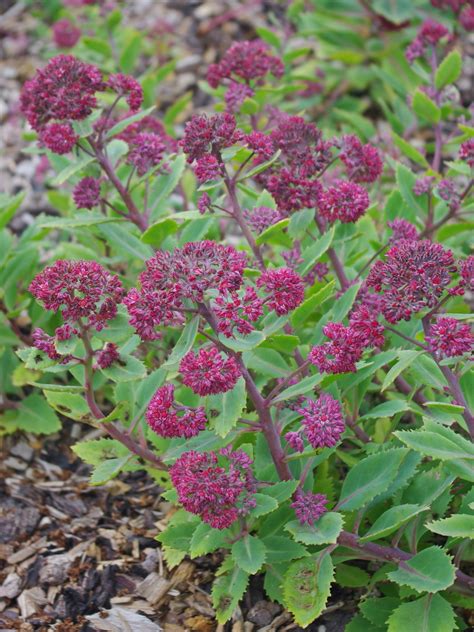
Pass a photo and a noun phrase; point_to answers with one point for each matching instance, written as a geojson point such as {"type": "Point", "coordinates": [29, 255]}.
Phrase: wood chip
{"type": "Point", "coordinates": [31, 600]}
{"type": "Point", "coordinates": [122, 620]}
{"type": "Point", "coordinates": [11, 587]}
{"type": "Point", "coordinates": [153, 588]}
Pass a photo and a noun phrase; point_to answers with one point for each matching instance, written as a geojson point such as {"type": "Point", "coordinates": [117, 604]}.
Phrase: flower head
{"type": "Point", "coordinates": [323, 423]}
{"type": "Point", "coordinates": [467, 273]}
{"type": "Point", "coordinates": [147, 150]}
{"type": "Point", "coordinates": [449, 337]}
{"type": "Point", "coordinates": [363, 162]}
{"type": "Point", "coordinates": [237, 311]}
{"type": "Point", "coordinates": [168, 419]}
{"type": "Point", "coordinates": [205, 135]}
{"type": "Point", "coordinates": [466, 18]}
{"type": "Point", "coordinates": [261, 144]}
{"type": "Point", "coordinates": [45, 343]}
{"type": "Point", "coordinates": [423, 185]}
{"type": "Point", "coordinates": [208, 372]}
{"type": "Point", "coordinates": [65, 34]}
{"type": "Point", "coordinates": [217, 487]}
{"type": "Point", "coordinates": [285, 289]}
{"type": "Point", "coordinates": [59, 138]}
{"type": "Point", "coordinates": [413, 276]}
{"type": "Point", "coordinates": [345, 201]}
{"type": "Point", "coordinates": [236, 94]}
{"type": "Point", "coordinates": [341, 353]}
{"type": "Point", "coordinates": [62, 91]}
{"type": "Point", "coordinates": [107, 356]}
{"type": "Point", "coordinates": [207, 168]}
{"type": "Point", "coordinates": [128, 87]}
{"type": "Point", "coordinates": [86, 193]}
{"type": "Point", "coordinates": [401, 229]}
{"type": "Point", "coordinates": [466, 152]}
{"type": "Point", "coordinates": [365, 326]}
{"type": "Point", "coordinates": [430, 33]}
{"type": "Point", "coordinates": [204, 203]}
{"type": "Point", "coordinates": [309, 507]}
{"type": "Point", "coordinates": [81, 290]}
{"type": "Point", "coordinates": [262, 217]}
{"type": "Point", "coordinates": [247, 61]}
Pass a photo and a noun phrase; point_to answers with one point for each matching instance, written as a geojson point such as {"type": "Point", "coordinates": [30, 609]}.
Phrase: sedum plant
{"type": "Point", "coordinates": [273, 322]}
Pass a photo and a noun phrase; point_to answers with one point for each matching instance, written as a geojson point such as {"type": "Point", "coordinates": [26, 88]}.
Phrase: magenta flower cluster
{"type": "Point", "coordinates": [430, 34]}
{"type": "Point", "coordinates": [86, 193]}
{"type": "Point", "coordinates": [322, 424]}
{"type": "Point", "coordinates": [208, 372]}
{"type": "Point", "coordinates": [284, 289]}
{"type": "Point", "coordinates": [65, 33]}
{"type": "Point", "coordinates": [168, 419]}
{"type": "Point", "coordinates": [449, 337]}
{"type": "Point", "coordinates": [309, 507]}
{"type": "Point", "coordinates": [217, 487]}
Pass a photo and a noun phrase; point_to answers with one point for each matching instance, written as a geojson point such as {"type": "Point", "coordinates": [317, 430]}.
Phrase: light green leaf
{"type": "Point", "coordinates": [314, 252]}
{"type": "Point", "coordinates": [387, 409]}
{"type": "Point", "coordinates": [121, 125]}
{"type": "Point", "coordinates": [264, 505]}
{"type": "Point", "coordinates": [34, 415]}
{"type": "Point", "coordinates": [126, 369]}
{"type": "Point", "coordinates": [281, 549]}
{"type": "Point", "coordinates": [431, 613]}
{"type": "Point", "coordinates": [325, 531]}
{"type": "Point", "coordinates": [205, 539]}
{"type": "Point", "coordinates": [67, 173]}
{"type": "Point", "coordinates": [391, 520]}
{"type": "Point", "coordinates": [307, 308]}
{"type": "Point", "coordinates": [165, 184]}
{"type": "Point", "coordinates": [303, 386]}
{"type": "Point", "coordinates": [96, 451]}
{"type": "Point", "coordinates": [266, 362]}
{"type": "Point", "coordinates": [370, 477]}
{"type": "Point", "coordinates": [183, 345]}
{"type": "Point", "coordinates": [107, 470]}
{"type": "Point", "coordinates": [433, 444]}
{"type": "Point", "coordinates": [261, 167]}
{"type": "Point", "coordinates": [457, 526]}
{"type": "Point", "coordinates": [227, 591]}
{"type": "Point", "coordinates": [281, 491]}
{"type": "Point", "coordinates": [249, 553]}
{"type": "Point", "coordinates": [431, 570]}
{"type": "Point", "coordinates": [121, 238]}
{"type": "Point", "coordinates": [406, 357]}
{"type": "Point", "coordinates": [159, 231]}
{"type": "Point", "coordinates": [409, 151]}
{"type": "Point", "coordinates": [449, 70]}
{"type": "Point", "coordinates": [79, 220]}
{"type": "Point", "coordinates": [425, 108]}
{"type": "Point", "coordinates": [307, 586]}
{"type": "Point", "coordinates": [70, 405]}
{"type": "Point", "coordinates": [229, 406]}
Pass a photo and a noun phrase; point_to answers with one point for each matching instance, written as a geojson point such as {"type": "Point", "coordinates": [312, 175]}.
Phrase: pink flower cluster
{"type": "Point", "coordinates": [466, 152]}
{"type": "Point", "coordinates": [244, 63]}
{"type": "Point", "coordinates": [401, 229]}
{"type": "Point", "coordinates": [65, 33]}
{"type": "Point", "coordinates": [309, 507]}
{"type": "Point", "coordinates": [464, 9]}
{"type": "Point", "coordinates": [86, 193]}
{"type": "Point", "coordinates": [217, 487]}
{"type": "Point", "coordinates": [261, 217]}
{"type": "Point", "coordinates": [430, 34]}
{"type": "Point", "coordinates": [237, 311]}
{"type": "Point", "coordinates": [168, 419]}
{"type": "Point", "coordinates": [65, 91]}
{"type": "Point", "coordinates": [208, 372]}
{"type": "Point", "coordinates": [345, 201]}
{"type": "Point", "coordinates": [80, 290]}
{"type": "Point", "coordinates": [322, 425]}
{"type": "Point", "coordinates": [363, 162]}
{"type": "Point", "coordinates": [284, 289]}
{"type": "Point", "coordinates": [449, 337]}
{"type": "Point", "coordinates": [172, 278]}
{"type": "Point", "coordinates": [413, 276]}
{"type": "Point", "coordinates": [146, 151]}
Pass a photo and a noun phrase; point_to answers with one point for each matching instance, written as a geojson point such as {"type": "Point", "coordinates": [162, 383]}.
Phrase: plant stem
{"type": "Point", "coordinates": [407, 338]}
{"type": "Point", "coordinates": [279, 387]}
{"type": "Point", "coordinates": [334, 259]}
{"type": "Point", "coordinates": [111, 429]}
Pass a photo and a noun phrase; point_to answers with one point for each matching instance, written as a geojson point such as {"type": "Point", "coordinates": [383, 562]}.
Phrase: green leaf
{"type": "Point", "coordinates": [264, 505]}
{"type": "Point", "coordinates": [227, 591]}
{"type": "Point", "coordinates": [159, 231]}
{"type": "Point", "coordinates": [378, 609]}
{"type": "Point", "coordinates": [396, 11]}
{"type": "Point", "coordinates": [281, 549]}
{"type": "Point", "coordinates": [406, 357]}
{"type": "Point", "coordinates": [275, 234]}
{"type": "Point", "coordinates": [261, 167]}
{"type": "Point", "coordinates": [409, 151]}
{"type": "Point", "coordinates": [97, 45]}
{"type": "Point", "coordinates": [431, 613]}
{"type": "Point", "coordinates": [67, 173]}
{"type": "Point", "coordinates": [205, 540]}
{"type": "Point", "coordinates": [425, 108]}
{"type": "Point", "coordinates": [178, 535]}
{"type": "Point", "coordinates": [268, 36]}
{"type": "Point", "coordinates": [314, 252]}
{"type": "Point", "coordinates": [124, 123]}
{"type": "Point", "coordinates": [34, 415]}
{"type": "Point", "coordinates": [325, 531]}
{"type": "Point", "coordinates": [126, 369]}
{"type": "Point", "coordinates": [351, 576]}
{"type": "Point", "coordinates": [121, 238]}
{"type": "Point", "coordinates": [130, 52]}
{"type": "Point", "coordinates": [307, 586]}
{"type": "Point", "coordinates": [70, 405]}
{"type": "Point", "coordinates": [457, 526]}
{"type": "Point", "coordinates": [96, 451]}
{"type": "Point", "coordinates": [429, 571]}
{"type": "Point", "coordinates": [281, 491]}
{"type": "Point", "coordinates": [433, 444]}
{"type": "Point", "coordinates": [391, 520]}
{"type": "Point", "coordinates": [303, 386]}
{"type": "Point", "coordinates": [299, 222]}
{"type": "Point", "coordinates": [449, 70]}
{"type": "Point", "coordinates": [107, 470]}
{"type": "Point", "coordinates": [307, 308]}
{"type": "Point", "coordinates": [9, 206]}
{"type": "Point", "coordinates": [266, 362]}
{"type": "Point", "coordinates": [249, 553]}
{"type": "Point", "coordinates": [229, 406]}
{"type": "Point", "coordinates": [79, 220]}
{"type": "Point", "coordinates": [387, 409]}
{"type": "Point", "coordinates": [371, 476]}
{"type": "Point", "coordinates": [183, 345]}
{"type": "Point", "coordinates": [165, 184]}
